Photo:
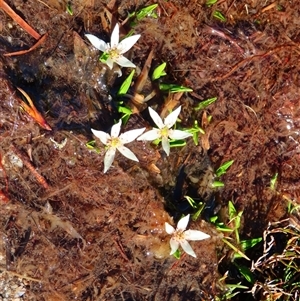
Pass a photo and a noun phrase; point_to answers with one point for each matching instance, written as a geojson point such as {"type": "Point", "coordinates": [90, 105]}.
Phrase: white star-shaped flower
{"type": "Point", "coordinates": [114, 50]}
{"type": "Point", "coordinates": [115, 142]}
{"type": "Point", "coordinates": [164, 131]}
{"type": "Point", "coordinates": [180, 236]}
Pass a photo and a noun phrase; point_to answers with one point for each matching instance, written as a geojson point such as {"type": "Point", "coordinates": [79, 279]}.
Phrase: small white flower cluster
{"type": "Point", "coordinates": [114, 141]}
{"type": "Point", "coordinates": [113, 53]}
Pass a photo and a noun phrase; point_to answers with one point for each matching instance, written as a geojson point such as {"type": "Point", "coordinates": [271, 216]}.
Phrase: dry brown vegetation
{"type": "Point", "coordinates": [68, 231]}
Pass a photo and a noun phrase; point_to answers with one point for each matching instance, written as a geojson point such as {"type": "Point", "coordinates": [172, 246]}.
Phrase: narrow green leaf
{"type": "Point", "coordinates": [159, 71]}
{"type": "Point", "coordinates": [126, 84]}
{"type": "Point", "coordinates": [249, 243]}
{"type": "Point", "coordinates": [69, 9]}
{"type": "Point", "coordinates": [177, 143]}
{"type": "Point", "coordinates": [191, 201]}
{"type": "Point", "coordinates": [203, 104]}
{"type": "Point", "coordinates": [147, 11]}
{"type": "Point", "coordinates": [231, 210]}
{"type": "Point", "coordinates": [196, 215]}
{"type": "Point", "coordinates": [173, 88]}
{"type": "Point", "coordinates": [235, 249]}
{"type": "Point", "coordinates": [223, 168]}
{"type": "Point", "coordinates": [217, 184]}
{"type": "Point", "coordinates": [218, 15]}
{"type": "Point", "coordinates": [247, 274]}
{"type": "Point", "coordinates": [273, 181]}
{"type": "Point", "coordinates": [211, 2]}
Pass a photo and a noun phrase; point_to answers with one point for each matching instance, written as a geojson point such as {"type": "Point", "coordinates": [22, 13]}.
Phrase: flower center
{"type": "Point", "coordinates": [114, 53]}
{"type": "Point", "coordinates": [179, 235]}
{"type": "Point", "coordinates": [114, 142]}
{"type": "Point", "coordinates": [164, 132]}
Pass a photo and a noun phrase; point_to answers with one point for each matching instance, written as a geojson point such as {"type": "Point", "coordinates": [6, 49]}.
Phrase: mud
{"type": "Point", "coordinates": [70, 232]}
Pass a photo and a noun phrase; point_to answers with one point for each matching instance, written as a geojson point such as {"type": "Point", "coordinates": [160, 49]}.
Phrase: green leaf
{"type": "Point", "coordinates": [69, 9]}
{"type": "Point", "coordinates": [218, 15]}
{"type": "Point", "coordinates": [231, 210]}
{"type": "Point", "coordinates": [249, 243]}
{"type": "Point", "coordinates": [146, 11]}
{"type": "Point", "coordinates": [191, 201]}
{"type": "Point", "coordinates": [223, 168]}
{"type": "Point", "coordinates": [103, 58]}
{"type": "Point", "coordinates": [196, 215]}
{"type": "Point", "coordinates": [273, 181]}
{"type": "Point", "coordinates": [177, 143]}
{"type": "Point", "coordinates": [217, 184]}
{"type": "Point", "coordinates": [211, 2]}
{"type": "Point", "coordinates": [92, 146]}
{"type": "Point", "coordinates": [247, 274]}
{"type": "Point", "coordinates": [172, 88]}
{"type": "Point", "coordinates": [177, 254]}
{"type": "Point", "coordinates": [203, 104]}
{"type": "Point", "coordinates": [126, 113]}
{"type": "Point", "coordinates": [126, 84]}
{"type": "Point", "coordinates": [159, 71]}
{"type": "Point", "coordinates": [235, 249]}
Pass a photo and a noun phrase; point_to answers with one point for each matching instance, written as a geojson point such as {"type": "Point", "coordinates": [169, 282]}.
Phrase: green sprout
{"type": "Point", "coordinates": [211, 2]}
{"type": "Point", "coordinates": [273, 181]}
{"type": "Point", "coordinates": [218, 15]}
{"type": "Point", "coordinates": [125, 111]}
{"type": "Point", "coordinates": [92, 146]}
{"type": "Point", "coordinates": [126, 84]}
{"type": "Point", "coordinates": [203, 104]}
{"type": "Point", "coordinates": [69, 9]}
{"type": "Point", "coordinates": [173, 88]}
{"type": "Point", "coordinates": [147, 11]}
{"type": "Point", "coordinates": [223, 168]}
{"type": "Point", "coordinates": [195, 130]}
{"type": "Point", "coordinates": [159, 71]}
{"type": "Point", "coordinates": [221, 171]}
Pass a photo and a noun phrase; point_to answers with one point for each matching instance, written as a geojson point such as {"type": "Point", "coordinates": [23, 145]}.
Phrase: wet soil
{"type": "Point", "coordinates": [70, 232]}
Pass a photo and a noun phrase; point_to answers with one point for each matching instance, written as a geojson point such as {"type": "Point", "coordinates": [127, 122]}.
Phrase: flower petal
{"type": "Point", "coordinates": [97, 43]}
{"type": "Point", "coordinates": [110, 63]}
{"type": "Point", "coordinates": [126, 152]}
{"type": "Point", "coordinates": [131, 135]}
{"type": "Point", "coordinates": [169, 229]}
{"type": "Point", "coordinates": [195, 235]}
{"type": "Point", "coordinates": [104, 137]}
{"type": "Point", "coordinates": [150, 135]}
{"type": "Point", "coordinates": [109, 158]}
{"type": "Point", "coordinates": [174, 244]}
{"type": "Point", "coordinates": [156, 118]}
{"type": "Point", "coordinates": [115, 129]}
{"type": "Point", "coordinates": [166, 145]}
{"type": "Point", "coordinates": [170, 120]}
{"type": "Point", "coordinates": [127, 43]}
{"type": "Point", "coordinates": [187, 248]}
{"type": "Point", "coordinates": [183, 222]}
{"type": "Point", "coordinates": [114, 39]}
{"type": "Point", "coordinates": [124, 62]}
{"type": "Point", "coordinates": [177, 134]}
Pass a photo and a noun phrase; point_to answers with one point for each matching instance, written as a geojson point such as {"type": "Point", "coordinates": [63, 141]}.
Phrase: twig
{"type": "Point", "coordinates": [19, 20]}
{"type": "Point", "coordinates": [28, 164]}
{"type": "Point", "coordinates": [38, 43]}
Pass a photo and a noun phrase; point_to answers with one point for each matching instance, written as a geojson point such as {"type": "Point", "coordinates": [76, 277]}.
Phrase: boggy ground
{"type": "Point", "coordinates": [70, 232]}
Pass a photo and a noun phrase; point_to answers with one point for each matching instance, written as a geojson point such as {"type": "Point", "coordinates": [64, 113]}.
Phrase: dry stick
{"type": "Point", "coordinates": [19, 20]}
{"type": "Point", "coordinates": [28, 164]}
{"type": "Point", "coordinates": [38, 43]}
